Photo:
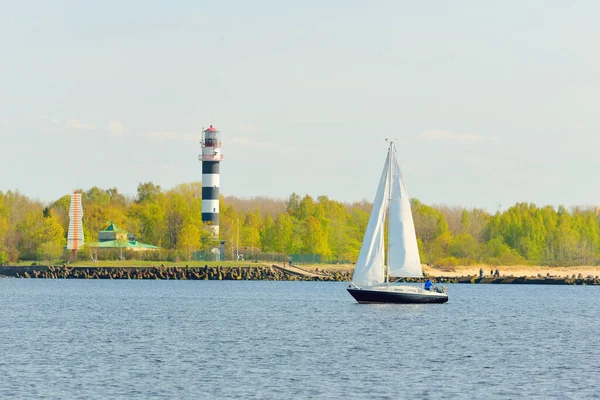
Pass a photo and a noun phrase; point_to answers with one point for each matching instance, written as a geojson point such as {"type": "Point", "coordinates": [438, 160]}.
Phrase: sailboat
{"type": "Point", "coordinates": [370, 280]}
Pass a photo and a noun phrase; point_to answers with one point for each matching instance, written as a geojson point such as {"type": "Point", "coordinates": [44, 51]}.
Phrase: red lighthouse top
{"type": "Point", "coordinates": [211, 129]}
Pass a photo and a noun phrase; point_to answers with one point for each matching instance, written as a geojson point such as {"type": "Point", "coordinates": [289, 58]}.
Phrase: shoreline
{"type": "Point", "coordinates": [519, 270]}
{"type": "Point", "coordinates": [321, 269]}
{"type": "Point", "coordinates": [532, 271]}
{"type": "Point", "coordinates": [274, 272]}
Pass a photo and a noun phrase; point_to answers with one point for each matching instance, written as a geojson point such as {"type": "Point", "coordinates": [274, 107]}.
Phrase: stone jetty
{"type": "Point", "coordinates": [271, 273]}
{"type": "Point", "coordinates": [256, 272]}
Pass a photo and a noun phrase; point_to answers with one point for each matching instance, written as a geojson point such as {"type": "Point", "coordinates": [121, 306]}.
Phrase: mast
{"type": "Point", "coordinates": [390, 180]}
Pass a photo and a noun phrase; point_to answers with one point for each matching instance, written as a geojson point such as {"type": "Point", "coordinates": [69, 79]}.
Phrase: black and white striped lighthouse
{"type": "Point", "coordinates": [211, 157]}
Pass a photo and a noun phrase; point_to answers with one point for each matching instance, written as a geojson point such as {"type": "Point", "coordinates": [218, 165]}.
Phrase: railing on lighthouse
{"type": "Point", "coordinates": [211, 145]}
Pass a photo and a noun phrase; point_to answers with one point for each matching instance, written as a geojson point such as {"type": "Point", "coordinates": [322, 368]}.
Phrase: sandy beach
{"type": "Point", "coordinates": [512, 270]}
{"type": "Point", "coordinates": [515, 270]}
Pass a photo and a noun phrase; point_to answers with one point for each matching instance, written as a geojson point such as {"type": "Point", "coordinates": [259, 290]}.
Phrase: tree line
{"type": "Point", "coordinates": [331, 230]}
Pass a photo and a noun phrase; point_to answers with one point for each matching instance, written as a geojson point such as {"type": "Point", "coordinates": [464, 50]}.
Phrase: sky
{"type": "Point", "coordinates": [492, 103]}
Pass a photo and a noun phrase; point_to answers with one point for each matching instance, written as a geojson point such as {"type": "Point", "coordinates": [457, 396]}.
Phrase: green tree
{"type": "Point", "coordinates": [229, 227]}
{"type": "Point", "coordinates": [293, 204]}
{"type": "Point", "coordinates": [429, 222]}
{"type": "Point", "coordinates": [150, 218]}
{"type": "Point", "coordinates": [465, 246]}
{"type": "Point", "coordinates": [51, 250]}
{"type": "Point", "coordinates": [3, 230]}
{"type": "Point", "coordinates": [250, 234]}
{"type": "Point", "coordinates": [267, 234]}
{"type": "Point", "coordinates": [189, 240]}
{"type": "Point", "coordinates": [147, 192]}
{"type": "Point", "coordinates": [284, 231]}
{"type": "Point", "coordinates": [35, 230]}
{"type": "Point", "coordinates": [315, 239]}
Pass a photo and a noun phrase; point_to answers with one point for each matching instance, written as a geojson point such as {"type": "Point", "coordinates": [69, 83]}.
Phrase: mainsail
{"type": "Point", "coordinates": [404, 260]}
{"type": "Point", "coordinates": [369, 269]}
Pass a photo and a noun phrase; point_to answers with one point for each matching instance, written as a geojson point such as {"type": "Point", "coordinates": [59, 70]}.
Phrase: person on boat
{"type": "Point", "coordinates": [428, 284]}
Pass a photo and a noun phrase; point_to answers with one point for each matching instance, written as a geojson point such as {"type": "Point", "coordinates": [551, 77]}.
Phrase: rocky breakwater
{"type": "Point", "coordinates": [257, 272]}
{"type": "Point", "coordinates": [533, 280]}
{"type": "Point", "coordinates": [270, 273]}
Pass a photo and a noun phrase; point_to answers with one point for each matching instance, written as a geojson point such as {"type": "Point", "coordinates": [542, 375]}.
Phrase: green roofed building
{"type": "Point", "coordinates": [114, 238]}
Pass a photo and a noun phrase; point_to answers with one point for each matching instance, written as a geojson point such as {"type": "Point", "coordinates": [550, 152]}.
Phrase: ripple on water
{"type": "Point", "coordinates": [212, 339]}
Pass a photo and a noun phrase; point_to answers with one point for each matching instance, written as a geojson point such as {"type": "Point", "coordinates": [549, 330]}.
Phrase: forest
{"type": "Point", "coordinates": [272, 229]}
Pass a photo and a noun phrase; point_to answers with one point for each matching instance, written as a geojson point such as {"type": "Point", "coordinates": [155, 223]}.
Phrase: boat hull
{"type": "Point", "coordinates": [399, 297]}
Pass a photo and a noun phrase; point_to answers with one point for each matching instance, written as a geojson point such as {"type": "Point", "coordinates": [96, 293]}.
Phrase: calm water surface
{"type": "Point", "coordinates": [285, 340]}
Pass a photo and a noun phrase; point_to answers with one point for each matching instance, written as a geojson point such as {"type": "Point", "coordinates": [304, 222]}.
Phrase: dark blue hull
{"type": "Point", "coordinates": [376, 296]}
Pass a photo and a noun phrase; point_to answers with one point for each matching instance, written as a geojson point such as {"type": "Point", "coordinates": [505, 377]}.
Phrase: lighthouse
{"type": "Point", "coordinates": [211, 157]}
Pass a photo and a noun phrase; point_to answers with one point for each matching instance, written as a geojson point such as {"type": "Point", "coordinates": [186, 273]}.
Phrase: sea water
{"type": "Point", "coordinates": [93, 339]}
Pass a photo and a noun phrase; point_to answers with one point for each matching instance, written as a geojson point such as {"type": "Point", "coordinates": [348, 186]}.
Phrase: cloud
{"type": "Point", "coordinates": [454, 137]}
{"type": "Point", "coordinates": [265, 146]}
{"type": "Point", "coordinates": [78, 124]}
{"type": "Point", "coordinates": [490, 163]}
{"type": "Point", "coordinates": [167, 167]}
{"type": "Point", "coordinates": [248, 129]}
{"type": "Point", "coordinates": [165, 135]}
{"type": "Point", "coordinates": [252, 129]}
{"type": "Point", "coordinates": [116, 128]}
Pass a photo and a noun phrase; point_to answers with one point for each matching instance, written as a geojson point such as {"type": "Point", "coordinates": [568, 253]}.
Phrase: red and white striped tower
{"type": "Point", "coordinates": [211, 157]}
{"type": "Point", "coordinates": [75, 234]}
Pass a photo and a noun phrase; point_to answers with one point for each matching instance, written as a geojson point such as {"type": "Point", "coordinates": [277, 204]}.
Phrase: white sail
{"type": "Point", "coordinates": [369, 269]}
{"type": "Point", "coordinates": [404, 260]}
